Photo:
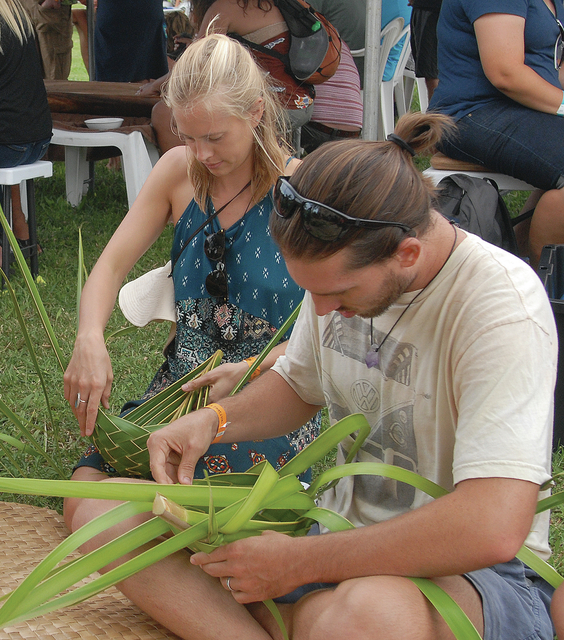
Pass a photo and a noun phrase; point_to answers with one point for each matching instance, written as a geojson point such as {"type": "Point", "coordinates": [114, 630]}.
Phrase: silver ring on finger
{"type": "Point", "coordinates": [78, 400]}
{"type": "Point", "coordinates": [228, 583]}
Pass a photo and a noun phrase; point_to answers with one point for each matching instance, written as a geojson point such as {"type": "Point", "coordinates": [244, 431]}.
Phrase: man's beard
{"type": "Point", "coordinates": [396, 286]}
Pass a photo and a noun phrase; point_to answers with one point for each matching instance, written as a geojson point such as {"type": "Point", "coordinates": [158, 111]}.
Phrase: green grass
{"type": "Point", "coordinates": [78, 70]}
{"type": "Point", "coordinates": [135, 357]}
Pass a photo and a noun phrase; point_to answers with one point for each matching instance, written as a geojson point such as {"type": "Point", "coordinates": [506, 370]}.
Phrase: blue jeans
{"type": "Point", "coordinates": [13, 155]}
{"type": "Point", "coordinates": [509, 138]}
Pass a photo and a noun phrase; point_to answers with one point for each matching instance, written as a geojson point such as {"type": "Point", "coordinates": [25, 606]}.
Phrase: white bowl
{"type": "Point", "coordinates": [102, 124]}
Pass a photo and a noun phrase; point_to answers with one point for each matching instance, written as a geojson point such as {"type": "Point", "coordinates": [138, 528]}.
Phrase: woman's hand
{"type": "Point", "coordinates": [88, 381]}
{"type": "Point", "coordinates": [221, 380]}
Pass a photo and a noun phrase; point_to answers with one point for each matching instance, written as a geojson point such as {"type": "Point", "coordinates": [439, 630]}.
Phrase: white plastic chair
{"type": "Point", "coordinates": [389, 37]}
{"type": "Point", "coordinates": [409, 80]}
{"type": "Point", "coordinates": [138, 158]}
{"type": "Point", "coordinates": [23, 175]}
{"type": "Point", "coordinates": [394, 87]}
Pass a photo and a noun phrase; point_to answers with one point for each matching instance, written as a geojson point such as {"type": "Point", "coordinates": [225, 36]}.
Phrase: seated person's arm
{"type": "Point", "coordinates": [89, 371]}
{"type": "Point", "coordinates": [267, 408]}
{"type": "Point", "coordinates": [219, 12]}
{"type": "Point", "coordinates": [501, 42]}
{"type": "Point", "coordinates": [153, 87]}
{"type": "Point", "coordinates": [483, 522]}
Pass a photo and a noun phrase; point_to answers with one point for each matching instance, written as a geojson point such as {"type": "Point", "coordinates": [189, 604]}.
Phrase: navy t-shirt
{"type": "Point", "coordinates": [463, 86]}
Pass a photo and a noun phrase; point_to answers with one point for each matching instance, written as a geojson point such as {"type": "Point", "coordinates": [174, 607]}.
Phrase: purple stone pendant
{"type": "Point", "coordinates": [372, 357]}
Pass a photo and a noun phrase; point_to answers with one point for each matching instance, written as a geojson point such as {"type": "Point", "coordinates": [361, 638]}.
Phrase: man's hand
{"type": "Point", "coordinates": [175, 449]}
{"type": "Point", "coordinates": [259, 568]}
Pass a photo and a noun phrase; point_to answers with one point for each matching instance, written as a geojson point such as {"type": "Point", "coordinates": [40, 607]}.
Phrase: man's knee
{"type": "Point", "coordinates": [373, 608]}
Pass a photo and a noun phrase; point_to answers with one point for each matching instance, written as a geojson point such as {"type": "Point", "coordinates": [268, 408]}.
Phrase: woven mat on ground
{"type": "Point", "coordinates": [27, 535]}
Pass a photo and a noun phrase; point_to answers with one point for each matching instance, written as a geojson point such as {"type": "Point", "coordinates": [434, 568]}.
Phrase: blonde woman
{"type": "Point", "coordinates": [231, 287]}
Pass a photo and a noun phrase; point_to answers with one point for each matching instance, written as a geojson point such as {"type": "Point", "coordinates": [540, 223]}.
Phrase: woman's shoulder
{"type": "Point", "coordinates": [291, 163]}
{"type": "Point", "coordinates": [172, 171]}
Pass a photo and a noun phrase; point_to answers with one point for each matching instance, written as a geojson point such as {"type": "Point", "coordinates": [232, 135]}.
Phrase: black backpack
{"type": "Point", "coordinates": [315, 44]}
{"type": "Point", "coordinates": [476, 205]}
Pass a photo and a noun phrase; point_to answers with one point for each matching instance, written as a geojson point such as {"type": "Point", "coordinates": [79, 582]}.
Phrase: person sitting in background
{"type": "Point", "coordinates": [53, 26]}
{"type": "Point", "coordinates": [260, 22]}
{"type": "Point", "coordinates": [337, 108]}
{"type": "Point", "coordinates": [179, 32]}
{"type": "Point", "coordinates": [231, 287]}
{"type": "Point", "coordinates": [499, 65]}
{"type": "Point", "coordinates": [129, 40]}
{"type": "Point", "coordinates": [424, 18]}
{"type": "Point", "coordinates": [25, 118]}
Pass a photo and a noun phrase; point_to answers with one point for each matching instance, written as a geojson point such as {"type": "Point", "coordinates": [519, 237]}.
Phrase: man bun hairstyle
{"type": "Point", "coordinates": [370, 180]}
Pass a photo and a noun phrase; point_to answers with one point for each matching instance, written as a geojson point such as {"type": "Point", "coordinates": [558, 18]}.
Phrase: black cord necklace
{"type": "Point", "coordinates": [204, 224]}
{"type": "Point", "coordinates": [373, 354]}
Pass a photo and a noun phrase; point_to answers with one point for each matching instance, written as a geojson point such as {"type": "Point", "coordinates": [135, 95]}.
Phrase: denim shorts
{"type": "Point", "coordinates": [13, 155]}
{"type": "Point", "coordinates": [509, 138]}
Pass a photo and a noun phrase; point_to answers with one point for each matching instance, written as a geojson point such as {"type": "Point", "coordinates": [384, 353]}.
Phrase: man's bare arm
{"type": "Point", "coordinates": [267, 408]}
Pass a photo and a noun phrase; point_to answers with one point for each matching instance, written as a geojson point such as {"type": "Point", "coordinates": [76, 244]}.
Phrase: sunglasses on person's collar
{"type": "Point", "coordinates": [559, 47]}
{"type": "Point", "coordinates": [214, 250]}
{"type": "Point", "coordinates": [320, 220]}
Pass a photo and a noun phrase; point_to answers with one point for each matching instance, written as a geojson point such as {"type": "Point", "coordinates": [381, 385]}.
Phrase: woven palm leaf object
{"type": "Point", "coordinates": [122, 442]}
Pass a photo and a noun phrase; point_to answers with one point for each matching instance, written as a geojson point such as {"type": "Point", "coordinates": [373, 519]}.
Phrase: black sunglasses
{"type": "Point", "coordinates": [320, 220]}
{"type": "Point", "coordinates": [214, 249]}
{"type": "Point", "coordinates": [559, 47]}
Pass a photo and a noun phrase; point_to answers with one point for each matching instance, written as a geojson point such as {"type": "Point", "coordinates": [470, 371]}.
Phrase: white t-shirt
{"type": "Point", "coordinates": [464, 387]}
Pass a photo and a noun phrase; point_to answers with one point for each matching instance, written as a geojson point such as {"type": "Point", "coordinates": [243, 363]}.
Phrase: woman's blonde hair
{"type": "Point", "coordinates": [219, 74]}
{"type": "Point", "coordinates": [17, 20]}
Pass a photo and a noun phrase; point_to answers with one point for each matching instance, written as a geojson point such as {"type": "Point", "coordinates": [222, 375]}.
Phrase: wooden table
{"type": "Point", "coordinates": [98, 98]}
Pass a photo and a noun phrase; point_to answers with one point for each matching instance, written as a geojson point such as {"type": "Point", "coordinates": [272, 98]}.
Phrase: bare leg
{"type": "Point", "coordinates": [179, 595]}
{"type": "Point", "coordinates": [431, 84]}
{"type": "Point", "coordinates": [19, 225]}
{"type": "Point", "coordinates": [523, 228]}
{"type": "Point", "coordinates": [161, 120]}
{"type": "Point", "coordinates": [557, 611]}
{"type": "Point", "coordinates": [195, 606]}
{"type": "Point", "coordinates": [80, 22]}
{"type": "Point", "coordinates": [376, 608]}
{"type": "Point", "coordinates": [547, 224]}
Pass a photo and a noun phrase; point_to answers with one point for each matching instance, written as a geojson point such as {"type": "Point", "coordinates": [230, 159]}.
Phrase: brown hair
{"type": "Point", "coordinates": [219, 73]}
{"type": "Point", "coordinates": [365, 179]}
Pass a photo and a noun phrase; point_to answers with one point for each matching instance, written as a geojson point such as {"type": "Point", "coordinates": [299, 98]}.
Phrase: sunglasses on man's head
{"type": "Point", "coordinates": [559, 47]}
{"type": "Point", "coordinates": [214, 249]}
{"type": "Point", "coordinates": [320, 220]}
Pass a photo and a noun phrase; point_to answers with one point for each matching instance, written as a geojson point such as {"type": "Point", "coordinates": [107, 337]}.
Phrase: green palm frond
{"type": "Point", "coordinates": [213, 511]}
